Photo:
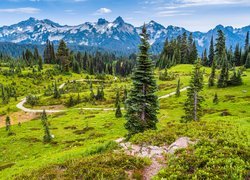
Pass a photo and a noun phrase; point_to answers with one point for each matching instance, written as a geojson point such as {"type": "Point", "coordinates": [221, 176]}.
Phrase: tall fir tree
{"type": "Point", "coordinates": [57, 93]}
{"type": "Point", "coordinates": [247, 64]}
{"type": "Point", "coordinates": [40, 63]}
{"type": "Point", "coordinates": [7, 124]}
{"type": "Point", "coordinates": [224, 73]}
{"type": "Point", "coordinates": [192, 106]}
{"type": "Point", "coordinates": [211, 52]}
{"type": "Point", "coordinates": [211, 80]}
{"type": "Point", "coordinates": [220, 47]}
{"type": "Point", "coordinates": [142, 103]}
{"type": "Point", "coordinates": [118, 112]}
{"type": "Point", "coordinates": [63, 56]}
{"type": "Point", "coordinates": [178, 88]}
{"type": "Point", "coordinates": [47, 136]}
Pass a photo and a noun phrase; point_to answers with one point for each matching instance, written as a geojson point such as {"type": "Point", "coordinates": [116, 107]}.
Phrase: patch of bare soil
{"type": "Point", "coordinates": [19, 117]}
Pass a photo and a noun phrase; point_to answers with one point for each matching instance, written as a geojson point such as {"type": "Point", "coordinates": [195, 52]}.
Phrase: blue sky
{"type": "Point", "coordinates": [193, 15]}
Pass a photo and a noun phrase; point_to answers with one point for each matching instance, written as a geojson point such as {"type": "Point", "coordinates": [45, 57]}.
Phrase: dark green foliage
{"type": "Point", "coordinates": [223, 78]}
{"type": "Point", "coordinates": [47, 136]}
{"type": "Point", "coordinates": [235, 79]}
{"type": "Point", "coordinates": [178, 87]}
{"type": "Point", "coordinates": [220, 47]}
{"type": "Point", "coordinates": [100, 94]}
{"type": "Point", "coordinates": [63, 56]}
{"type": "Point", "coordinates": [71, 101]}
{"type": "Point", "coordinates": [204, 59]}
{"type": "Point", "coordinates": [7, 124]}
{"type": "Point", "coordinates": [40, 63]}
{"type": "Point", "coordinates": [57, 93]}
{"type": "Point", "coordinates": [166, 76]}
{"type": "Point", "coordinates": [192, 106]}
{"type": "Point", "coordinates": [211, 52]}
{"type": "Point", "coordinates": [216, 99]}
{"type": "Point", "coordinates": [212, 75]}
{"type": "Point", "coordinates": [49, 53]}
{"type": "Point", "coordinates": [247, 64]}
{"type": "Point", "coordinates": [237, 55]}
{"type": "Point", "coordinates": [118, 112]}
{"type": "Point", "coordinates": [32, 100]}
{"type": "Point", "coordinates": [181, 50]}
{"type": "Point", "coordinates": [142, 103]}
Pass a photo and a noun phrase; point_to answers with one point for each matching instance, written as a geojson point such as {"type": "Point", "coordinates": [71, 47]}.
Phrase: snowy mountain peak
{"type": "Point", "coordinates": [102, 21]}
{"type": "Point", "coordinates": [119, 20]}
{"type": "Point", "coordinates": [112, 36]}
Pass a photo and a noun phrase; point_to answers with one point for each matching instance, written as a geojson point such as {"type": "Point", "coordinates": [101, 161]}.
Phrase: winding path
{"type": "Point", "coordinates": [20, 105]}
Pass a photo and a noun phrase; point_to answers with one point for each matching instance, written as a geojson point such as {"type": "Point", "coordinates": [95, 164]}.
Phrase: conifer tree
{"type": "Point", "coordinates": [142, 103]}
{"type": "Point", "coordinates": [57, 93]}
{"type": "Point", "coordinates": [118, 112]}
{"type": "Point", "coordinates": [216, 99]}
{"type": "Point", "coordinates": [178, 88]}
{"type": "Point", "coordinates": [212, 75]}
{"type": "Point", "coordinates": [7, 124]}
{"type": "Point", "coordinates": [205, 61]}
{"type": "Point", "coordinates": [47, 136]}
{"type": "Point", "coordinates": [220, 47]}
{"type": "Point", "coordinates": [223, 78]}
{"type": "Point", "coordinates": [40, 63]}
{"type": "Point", "coordinates": [63, 56]}
{"type": "Point", "coordinates": [192, 106]}
{"type": "Point", "coordinates": [36, 54]}
{"type": "Point", "coordinates": [247, 42]}
{"type": "Point", "coordinates": [211, 52]}
{"type": "Point", "coordinates": [247, 64]}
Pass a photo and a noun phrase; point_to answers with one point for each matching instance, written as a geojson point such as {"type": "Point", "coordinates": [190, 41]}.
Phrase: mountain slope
{"type": "Point", "coordinates": [117, 36]}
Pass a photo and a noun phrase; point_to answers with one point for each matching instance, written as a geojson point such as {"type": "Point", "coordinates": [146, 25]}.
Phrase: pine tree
{"type": "Point", "coordinates": [192, 106]}
{"type": "Point", "coordinates": [220, 47]}
{"type": "Point", "coordinates": [223, 78]}
{"type": "Point", "coordinates": [212, 75]}
{"type": "Point", "coordinates": [211, 52]}
{"type": "Point", "coordinates": [184, 48]}
{"type": "Point", "coordinates": [178, 92]}
{"type": "Point", "coordinates": [235, 79]}
{"type": "Point", "coordinates": [216, 99]}
{"type": "Point", "coordinates": [118, 112]}
{"type": "Point", "coordinates": [40, 63]}
{"type": "Point", "coordinates": [57, 93]}
{"type": "Point", "coordinates": [7, 124]}
{"type": "Point", "coordinates": [47, 136]}
{"type": "Point", "coordinates": [247, 42]}
{"type": "Point", "coordinates": [205, 61]}
{"type": "Point", "coordinates": [237, 55]}
{"type": "Point", "coordinates": [247, 64]}
{"type": "Point", "coordinates": [36, 54]}
{"type": "Point", "coordinates": [142, 103]}
{"type": "Point", "coordinates": [63, 56]}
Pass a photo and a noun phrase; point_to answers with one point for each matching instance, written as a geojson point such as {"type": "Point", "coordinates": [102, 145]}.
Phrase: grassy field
{"type": "Point", "coordinates": [86, 138]}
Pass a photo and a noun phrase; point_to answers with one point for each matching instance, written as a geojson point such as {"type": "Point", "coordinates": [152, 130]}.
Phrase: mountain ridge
{"type": "Point", "coordinates": [117, 35]}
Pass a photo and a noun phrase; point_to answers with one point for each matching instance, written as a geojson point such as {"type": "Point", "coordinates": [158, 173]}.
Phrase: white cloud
{"type": "Point", "coordinates": [172, 13]}
{"type": "Point", "coordinates": [103, 11]}
{"type": "Point", "coordinates": [25, 10]}
{"type": "Point", "coordinates": [195, 3]}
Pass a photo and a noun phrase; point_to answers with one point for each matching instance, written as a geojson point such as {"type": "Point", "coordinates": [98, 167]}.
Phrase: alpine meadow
{"type": "Point", "coordinates": [113, 100]}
